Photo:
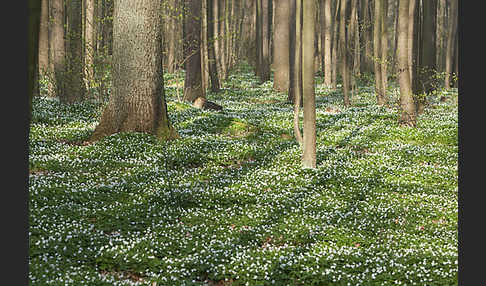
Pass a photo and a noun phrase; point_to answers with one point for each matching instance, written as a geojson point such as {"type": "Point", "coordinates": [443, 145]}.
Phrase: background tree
{"type": "Point", "coordinates": [33, 44]}
{"type": "Point", "coordinates": [295, 64]}
{"type": "Point", "coordinates": [90, 41]}
{"type": "Point", "coordinates": [343, 47]}
{"type": "Point", "coordinates": [451, 43]}
{"type": "Point", "coordinates": [407, 106]}
{"type": "Point", "coordinates": [308, 73]}
{"type": "Point", "coordinates": [193, 87]}
{"type": "Point", "coordinates": [379, 37]}
{"type": "Point", "coordinates": [43, 69]}
{"type": "Point", "coordinates": [58, 46]}
{"type": "Point", "coordinates": [326, 39]}
{"type": "Point", "coordinates": [213, 69]}
{"type": "Point", "coordinates": [281, 45]}
{"type": "Point", "coordinates": [137, 102]}
{"type": "Point", "coordinates": [74, 74]}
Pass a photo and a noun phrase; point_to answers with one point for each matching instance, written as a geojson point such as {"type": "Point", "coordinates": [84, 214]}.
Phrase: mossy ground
{"type": "Point", "coordinates": [229, 201]}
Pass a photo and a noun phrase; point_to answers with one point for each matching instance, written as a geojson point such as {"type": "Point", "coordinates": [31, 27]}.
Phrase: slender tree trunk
{"type": "Point", "coordinates": [266, 40]}
{"type": "Point", "coordinates": [451, 35]}
{"type": "Point", "coordinates": [344, 53]}
{"type": "Point", "coordinates": [335, 44]}
{"type": "Point", "coordinates": [384, 51]}
{"type": "Point", "coordinates": [90, 42]}
{"type": "Point", "coordinates": [172, 23]}
{"type": "Point", "coordinates": [35, 11]}
{"type": "Point", "coordinates": [407, 106]}
{"type": "Point", "coordinates": [75, 87]}
{"type": "Point", "coordinates": [308, 51]}
{"type": "Point", "coordinates": [259, 38]}
{"type": "Point", "coordinates": [281, 45]}
{"type": "Point", "coordinates": [44, 38]}
{"type": "Point", "coordinates": [411, 24]}
{"type": "Point", "coordinates": [58, 47]}
{"type": "Point", "coordinates": [193, 80]}
{"type": "Point", "coordinates": [326, 42]}
{"type": "Point", "coordinates": [137, 103]}
{"type": "Point", "coordinates": [295, 64]}
{"type": "Point", "coordinates": [213, 70]}
{"type": "Point", "coordinates": [377, 45]}
{"type": "Point", "coordinates": [295, 53]}
{"type": "Point", "coordinates": [203, 47]}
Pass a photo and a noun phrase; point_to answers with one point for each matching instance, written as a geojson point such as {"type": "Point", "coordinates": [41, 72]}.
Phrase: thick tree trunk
{"type": "Point", "coordinates": [137, 103]}
{"type": "Point", "coordinates": [308, 50]}
{"type": "Point", "coordinates": [193, 80]}
{"type": "Point", "coordinates": [75, 87]}
{"type": "Point", "coordinates": [281, 45]}
{"type": "Point", "coordinates": [407, 106]}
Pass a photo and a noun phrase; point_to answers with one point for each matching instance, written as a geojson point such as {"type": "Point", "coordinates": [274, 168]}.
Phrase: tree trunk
{"type": "Point", "coordinates": [203, 47]}
{"type": "Point", "coordinates": [193, 80]}
{"type": "Point", "coordinates": [58, 47]}
{"type": "Point", "coordinates": [366, 38]}
{"type": "Point", "coordinates": [344, 53]}
{"type": "Point", "coordinates": [407, 106]}
{"type": "Point", "coordinates": [172, 23]}
{"type": "Point", "coordinates": [295, 64]}
{"type": "Point", "coordinates": [377, 52]}
{"type": "Point", "coordinates": [281, 45]}
{"type": "Point", "coordinates": [308, 50]}
{"type": "Point", "coordinates": [33, 28]}
{"type": "Point", "coordinates": [75, 87]}
{"type": "Point", "coordinates": [266, 40]}
{"type": "Point", "coordinates": [326, 41]}
{"type": "Point", "coordinates": [44, 39]}
{"type": "Point", "coordinates": [213, 70]}
{"type": "Point", "coordinates": [335, 43]}
{"type": "Point", "coordinates": [90, 42]}
{"type": "Point", "coordinates": [137, 103]}
{"type": "Point", "coordinates": [384, 51]}
{"type": "Point", "coordinates": [451, 35]}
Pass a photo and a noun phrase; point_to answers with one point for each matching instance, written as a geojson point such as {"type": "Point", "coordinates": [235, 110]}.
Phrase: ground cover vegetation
{"type": "Point", "coordinates": [228, 203]}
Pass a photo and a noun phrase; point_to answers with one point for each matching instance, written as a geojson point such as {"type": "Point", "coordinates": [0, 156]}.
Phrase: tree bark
{"type": "Point", "coordinates": [326, 40]}
{"type": "Point", "coordinates": [295, 64]}
{"type": "Point", "coordinates": [137, 102]}
{"type": "Point", "coordinates": [90, 42]}
{"type": "Point", "coordinates": [281, 45]}
{"type": "Point", "coordinates": [213, 70]}
{"type": "Point", "coordinates": [451, 35]}
{"type": "Point", "coordinates": [58, 47]}
{"type": "Point", "coordinates": [265, 75]}
{"type": "Point", "coordinates": [344, 52]}
{"type": "Point", "coordinates": [308, 50]}
{"type": "Point", "coordinates": [407, 106]}
{"type": "Point", "coordinates": [44, 38]}
{"type": "Point", "coordinates": [193, 80]}
{"type": "Point", "coordinates": [75, 87]}
{"type": "Point", "coordinates": [35, 10]}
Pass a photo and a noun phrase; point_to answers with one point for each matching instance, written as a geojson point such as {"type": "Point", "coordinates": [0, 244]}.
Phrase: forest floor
{"type": "Point", "coordinates": [230, 204]}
